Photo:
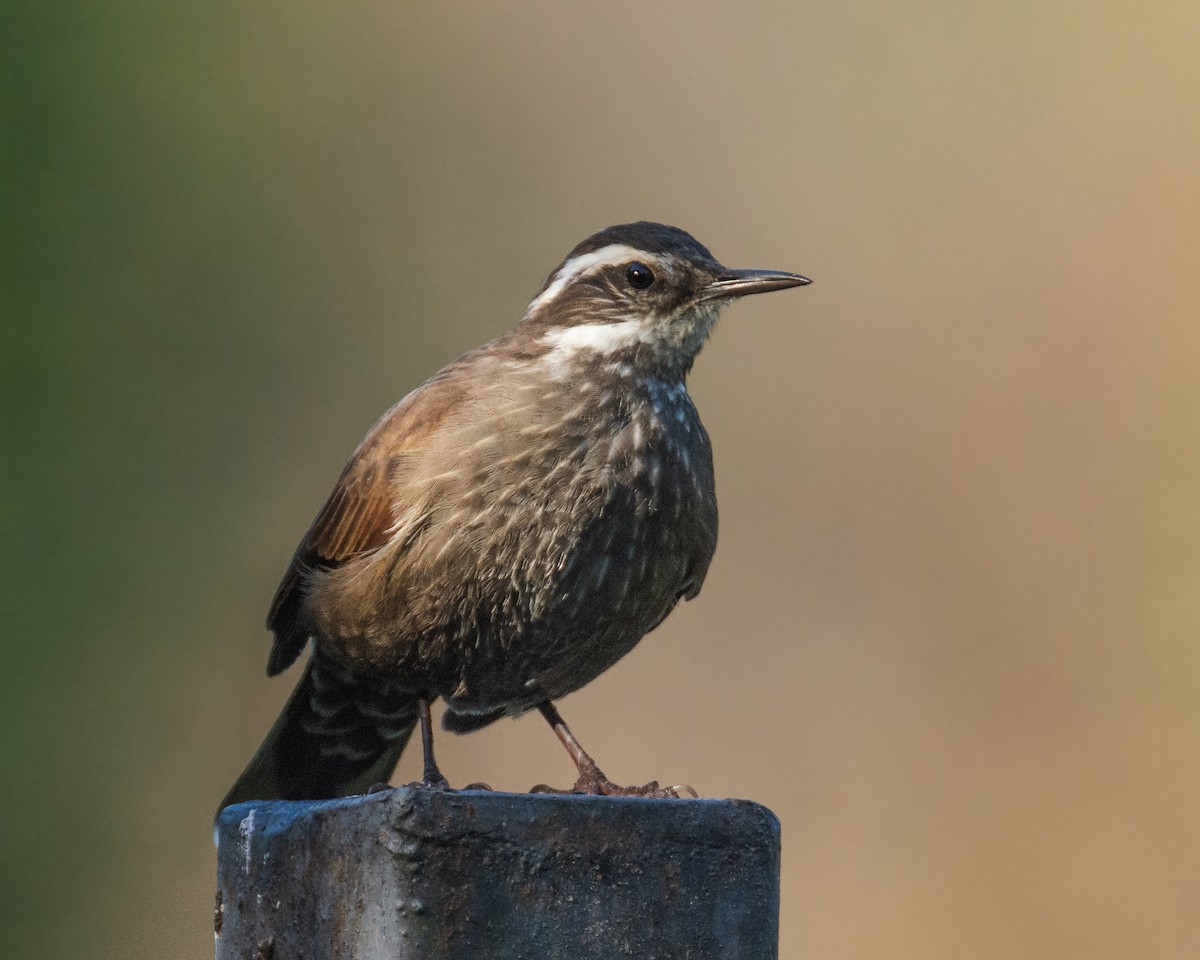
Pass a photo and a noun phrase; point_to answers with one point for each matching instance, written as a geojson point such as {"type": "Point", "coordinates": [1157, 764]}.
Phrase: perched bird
{"type": "Point", "coordinates": [512, 527]}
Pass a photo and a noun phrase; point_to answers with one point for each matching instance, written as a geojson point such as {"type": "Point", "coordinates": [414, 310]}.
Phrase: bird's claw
{"type": "Point", "coordinates": [607, 788]}
{"type": "Point", "coordinates": [439, 783]}
{"type": "Point", "coordinates": [603, 787]}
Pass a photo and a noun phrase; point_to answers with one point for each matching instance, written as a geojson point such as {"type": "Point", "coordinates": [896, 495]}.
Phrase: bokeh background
{"type": "Point", "coordinates": [950, 635]}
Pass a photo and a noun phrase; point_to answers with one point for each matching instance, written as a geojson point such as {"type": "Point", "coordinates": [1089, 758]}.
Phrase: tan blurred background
{"type": "Point", "coordinates": [950, 633]}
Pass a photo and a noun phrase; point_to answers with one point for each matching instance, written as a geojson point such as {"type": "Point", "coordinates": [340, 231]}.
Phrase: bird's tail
{"type": "Point", "coordinates": [340, 733]}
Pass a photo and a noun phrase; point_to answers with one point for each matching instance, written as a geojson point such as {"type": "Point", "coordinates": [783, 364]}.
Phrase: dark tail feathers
{"type": "Point", "coordinates": [339, 734]}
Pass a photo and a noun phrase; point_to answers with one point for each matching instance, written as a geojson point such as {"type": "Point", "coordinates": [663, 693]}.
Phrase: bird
{"type": "Point", "coordinates": [509, 529]}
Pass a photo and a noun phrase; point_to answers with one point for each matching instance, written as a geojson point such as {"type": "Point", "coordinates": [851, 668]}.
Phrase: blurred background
{"type": "Point", "coordinates": [950, 632]}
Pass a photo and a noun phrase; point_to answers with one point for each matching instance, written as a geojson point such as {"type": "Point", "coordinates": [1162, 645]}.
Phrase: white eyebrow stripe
{"type": "Point", "coordinates": [607, 256]}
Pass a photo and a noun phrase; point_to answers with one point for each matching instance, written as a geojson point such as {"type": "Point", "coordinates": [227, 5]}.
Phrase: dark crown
{"type": "Point", "coordinates": [653, 238]}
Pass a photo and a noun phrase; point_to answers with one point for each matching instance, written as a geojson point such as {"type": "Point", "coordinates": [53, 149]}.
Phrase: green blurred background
{"type": "Point", "coordinates": [950, 633]}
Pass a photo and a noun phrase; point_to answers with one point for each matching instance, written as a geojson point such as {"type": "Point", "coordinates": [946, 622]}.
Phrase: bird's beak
{"type": "Point", "coordinates": [741, 283]}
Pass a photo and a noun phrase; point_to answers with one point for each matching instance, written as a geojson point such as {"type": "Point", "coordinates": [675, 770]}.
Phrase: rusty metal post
{"type": "Point", "coordinates": [439, 875]}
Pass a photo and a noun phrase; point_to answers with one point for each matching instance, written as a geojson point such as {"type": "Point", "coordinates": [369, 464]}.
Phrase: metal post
{"type": "Point", "coordinates": [445, 875]}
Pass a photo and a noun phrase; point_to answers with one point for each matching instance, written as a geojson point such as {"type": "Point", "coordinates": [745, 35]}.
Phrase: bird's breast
{"type": "Point", "coordinates": [652, 519]}
{"type": "Point", "coordinates": [540, 535]}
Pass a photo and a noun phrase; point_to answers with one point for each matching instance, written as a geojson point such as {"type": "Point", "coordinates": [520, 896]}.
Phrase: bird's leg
{"type": "Point", "coordinates": [433, 776]}
{"type": "Point", "coordinates": [589, 772]}
{"type": "Point", "coordinates": [591, 778]}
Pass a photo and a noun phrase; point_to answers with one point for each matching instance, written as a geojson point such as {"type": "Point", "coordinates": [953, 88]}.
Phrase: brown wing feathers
{"type": "Point", "coordinates": [355, 519]}
{"type": "Point", "coordinates": [358, 515]}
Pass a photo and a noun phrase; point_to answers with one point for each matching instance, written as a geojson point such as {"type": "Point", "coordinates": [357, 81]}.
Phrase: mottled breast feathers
{"type": "Point", "coordinates": [497, 502]}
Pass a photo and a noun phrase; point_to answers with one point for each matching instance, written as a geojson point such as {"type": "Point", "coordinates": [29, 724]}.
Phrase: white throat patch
{"type": "Point", "coordinates": [566, 343]}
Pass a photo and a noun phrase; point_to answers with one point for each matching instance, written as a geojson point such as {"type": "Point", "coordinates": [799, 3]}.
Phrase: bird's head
{"type": "Point", "coordinates": [643, 294]}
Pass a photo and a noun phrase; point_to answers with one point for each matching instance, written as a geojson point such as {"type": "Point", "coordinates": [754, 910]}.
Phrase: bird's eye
{"type": "Point", "coordinates": [639, 276]}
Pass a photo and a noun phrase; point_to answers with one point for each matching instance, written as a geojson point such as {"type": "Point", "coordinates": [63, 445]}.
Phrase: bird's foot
{"type": "Point", "coordinates": [601, 786]}
{"type": "Point", "coordinates": [436, 782]}
{"type": "Point", "coordinates": [591, 778]}
{"type": "Point", "coordinates": [378, 787]}
{"type": "Point", "coordinates": [432, 780]}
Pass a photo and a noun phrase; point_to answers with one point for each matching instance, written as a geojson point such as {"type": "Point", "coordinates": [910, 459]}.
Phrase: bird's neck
{"type": "Point", "coordinates": [629, 347]}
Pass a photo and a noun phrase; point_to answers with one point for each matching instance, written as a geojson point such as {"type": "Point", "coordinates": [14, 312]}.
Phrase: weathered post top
{"type": "Point", "coordinates": [444, 875]}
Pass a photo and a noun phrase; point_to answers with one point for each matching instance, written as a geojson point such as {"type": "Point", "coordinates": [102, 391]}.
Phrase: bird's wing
{"type": "Point", "coordinates": [360, 512]}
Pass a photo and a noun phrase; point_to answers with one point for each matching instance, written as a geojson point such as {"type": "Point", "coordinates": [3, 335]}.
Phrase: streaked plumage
{"type": "Point", "coordinates": [513, 526]}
